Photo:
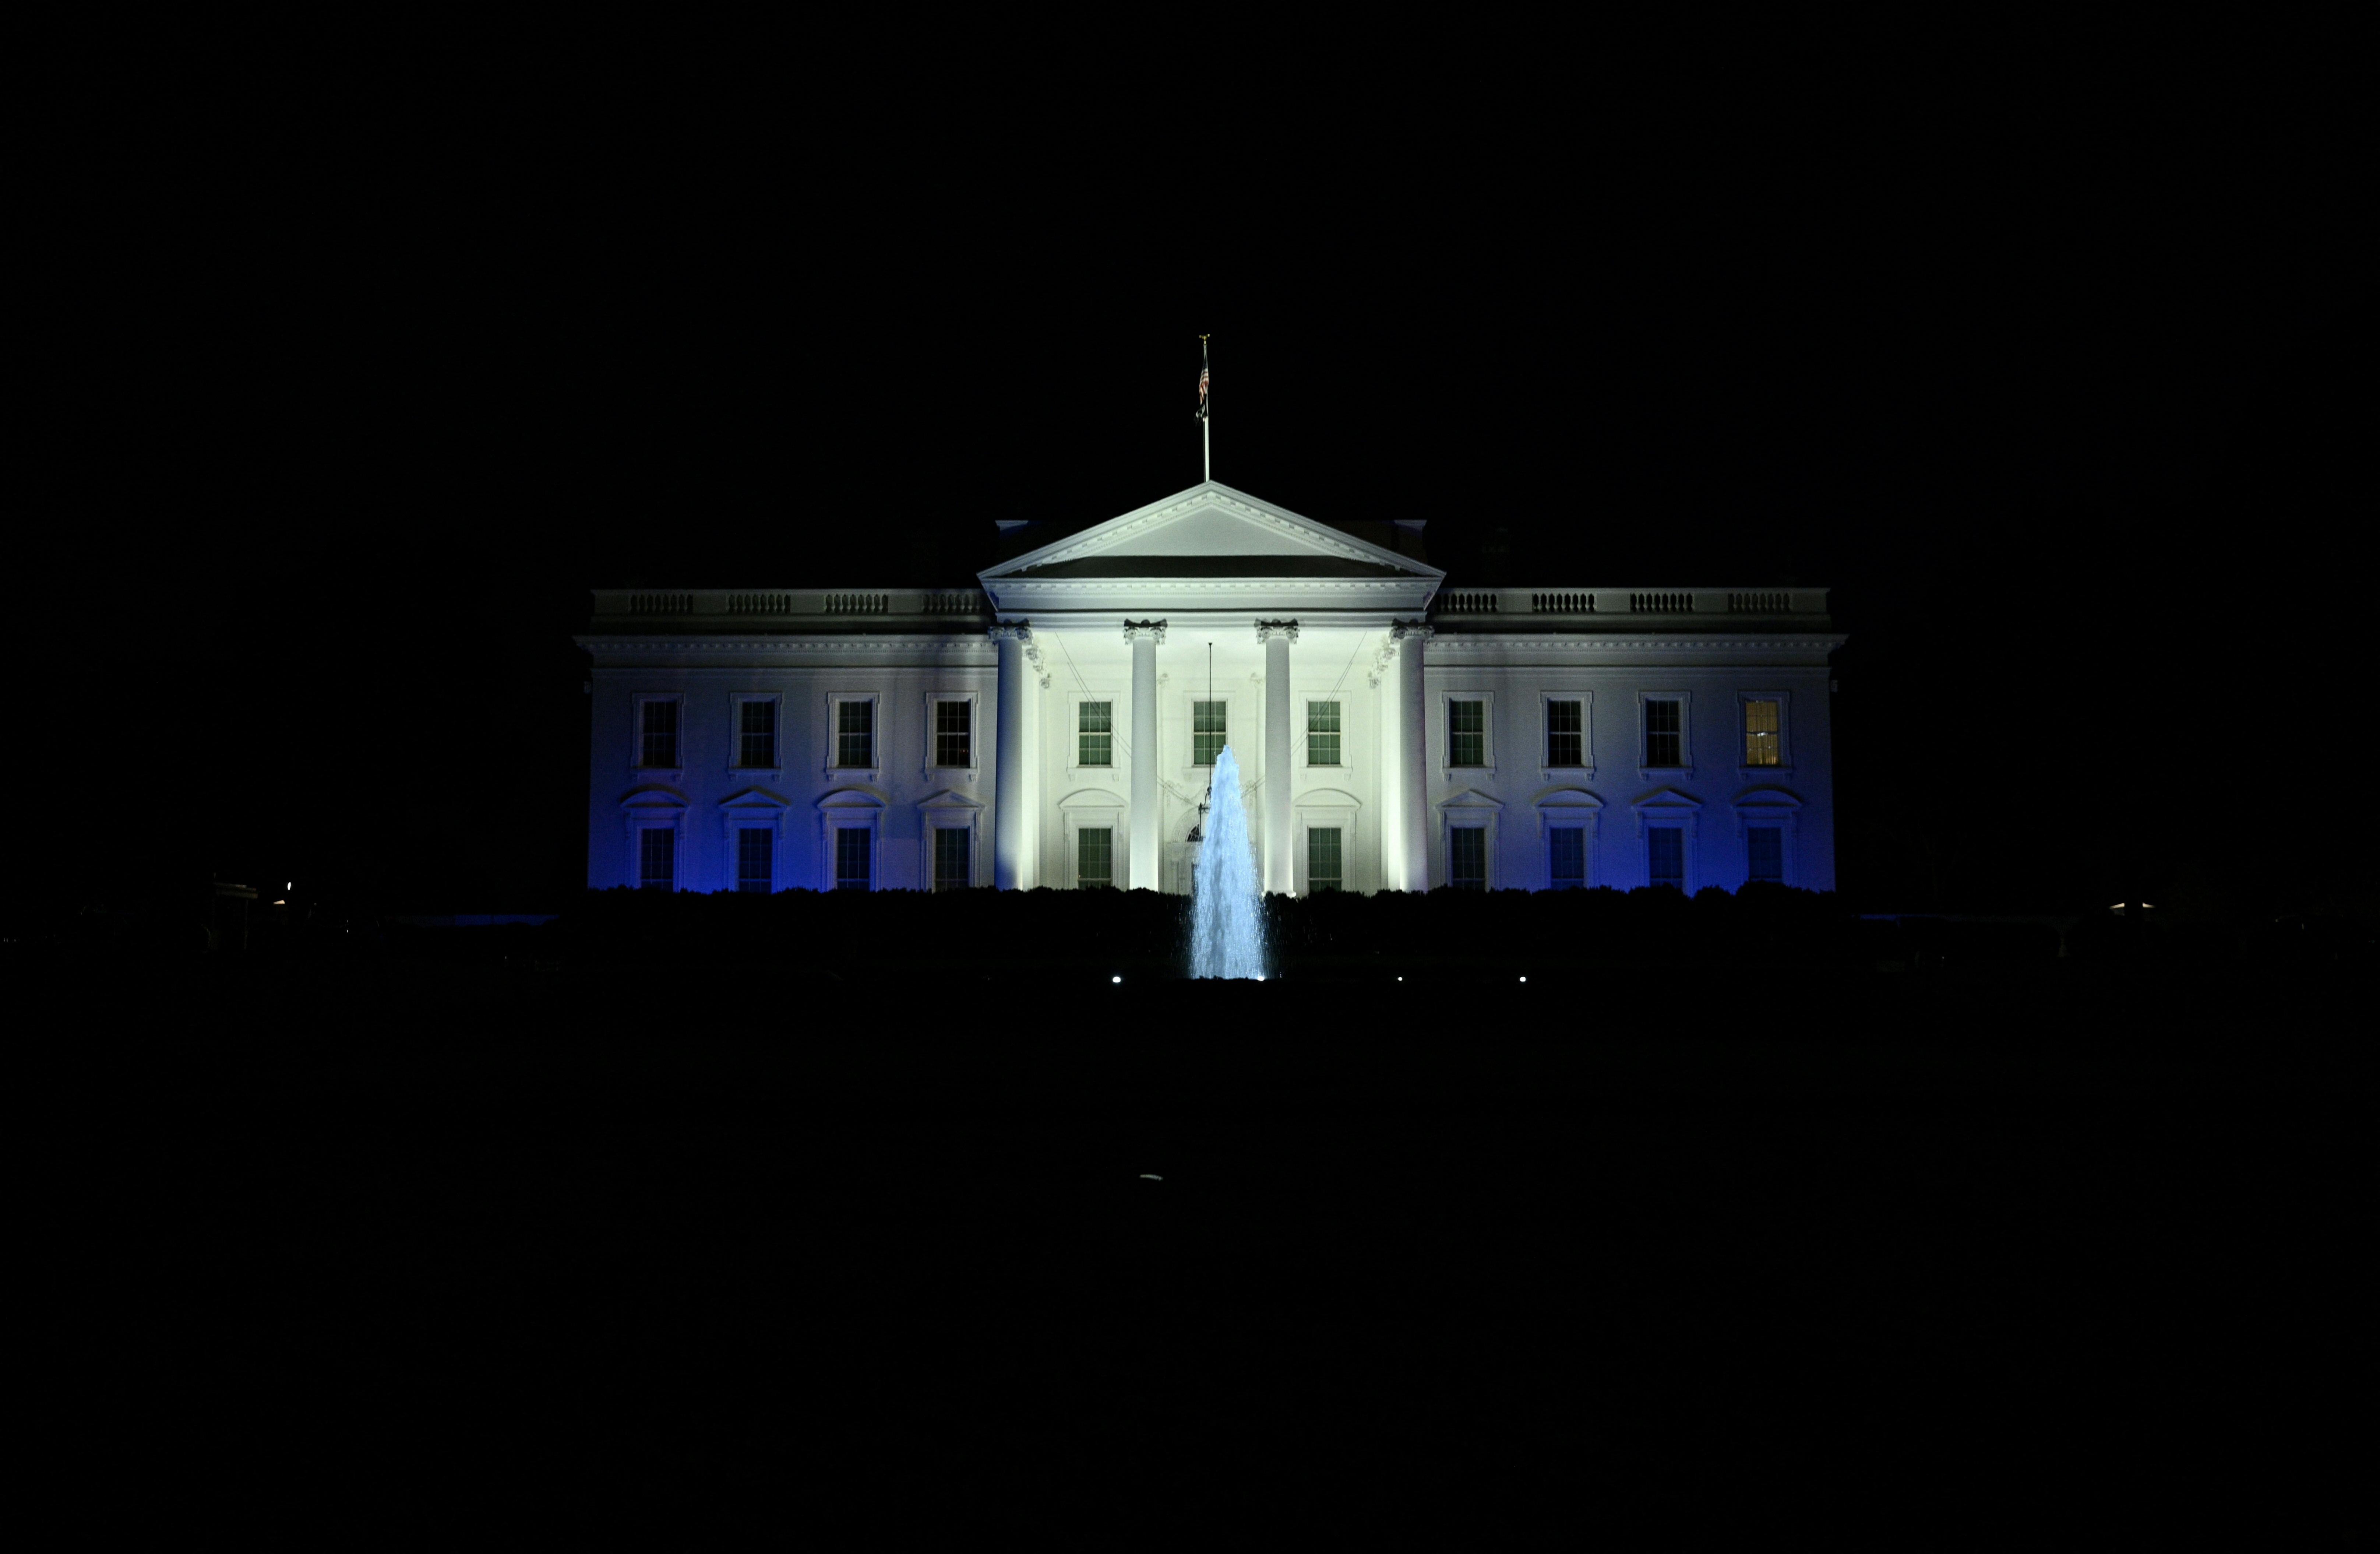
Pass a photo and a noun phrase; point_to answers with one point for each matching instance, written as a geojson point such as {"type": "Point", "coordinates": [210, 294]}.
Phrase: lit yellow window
{"type": "Point", "coordinates": [1760, 733]}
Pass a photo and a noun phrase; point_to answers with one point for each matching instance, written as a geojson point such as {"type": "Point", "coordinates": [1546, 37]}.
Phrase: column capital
{"type": "Point", "coordinates": [1264, 628]}
{"type": "Point", "coordinates": [1152, 629]}
{"type": "Point", "coordinates": [1011, 631]}
{"type": "Point", "coordinates": [1418, 629]}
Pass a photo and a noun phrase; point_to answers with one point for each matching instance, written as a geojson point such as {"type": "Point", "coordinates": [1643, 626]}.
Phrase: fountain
{"type": "Point", "coordinates": [1226, 905]}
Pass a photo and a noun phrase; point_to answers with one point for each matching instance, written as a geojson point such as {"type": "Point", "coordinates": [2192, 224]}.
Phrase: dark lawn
{"type": "Point", "coordinates": [2086, 1200]}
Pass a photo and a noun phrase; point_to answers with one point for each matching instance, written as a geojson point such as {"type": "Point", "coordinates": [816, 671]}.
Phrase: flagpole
{"type": "Point", "coordinates": [1205, 428]}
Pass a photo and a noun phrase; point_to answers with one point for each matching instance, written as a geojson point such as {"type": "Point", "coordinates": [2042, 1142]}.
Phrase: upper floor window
{"type": "Point", "coordinates": [1762, 728]}
{"type": "Point", "coordinates": [1565, 733]}
{"type": "Point", "coordinates": [1208, 733]}
{"type": "Point", "coordinates": [755, 733]}
{"type": "Point", "coordinates": [1664, 732]}
{"type": "Point", "coordinates": [950, 733]}
{"type": "Point", "coordinates": [854, 733]}
{"type": "Point", "coordinates": [1095, 733]}
{"type": "Point", "coordinates": [1466, 733]}
{"type": "Point", "coordinates": [1322, 733]}
{"type": "Point", "coordinates": [659, 746]}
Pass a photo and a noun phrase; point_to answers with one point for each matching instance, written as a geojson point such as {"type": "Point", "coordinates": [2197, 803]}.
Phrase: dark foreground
{"type": "Point", "coordinates": [1883, 1215]}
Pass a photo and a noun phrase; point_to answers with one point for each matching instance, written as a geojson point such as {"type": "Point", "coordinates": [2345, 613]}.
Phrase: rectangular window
{"type": "Point", "coordinates": [1466, 733]}
{"type": "Point", "coordinates": [657, 858]}
{"type": "Point", "coordinates": [1566, 858]}
{"type": "Point", "coordinates": [1466, 858]}
{"type": "Point", "coordinates": [1663, 746]}
{"type": "Point", "coordinates": [951, 744]}
{"type": "Point", "coordinates": [756, 734]}
{"type": "Point", "coordinates": [1094, 857]}
{"type": "Point", "coordinates": [1322, 735]}
{"type": "Point", "coordinates": [1322, 859]}
{"type": "Point", "coordinates": [851, 858]}
{"type": "Point", "coordinates": [1765, 852]}
{"type": "Point", "coordinates": [1095, 733]}
{"type": "Point", "coordinates": [1565, 734]}
{"type": "Point", "coordinates": [854, 733]}
{"type": "Point", "coordinates": [660, 734]}
{"type": "Point", "coordinates": [951, 858]}
{"type": "Point", "coordinates": [1207, 735]}
{"type": "Point", "coordinates": [1760, 732]}
{"type": "Point", "coordinates": [756, 855]}
{"type": "Point", "coordinates": [1665, 855]}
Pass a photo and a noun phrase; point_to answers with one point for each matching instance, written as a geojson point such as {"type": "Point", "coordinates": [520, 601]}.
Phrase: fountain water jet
{"type": "Point", "coordinates": [1226, 904]}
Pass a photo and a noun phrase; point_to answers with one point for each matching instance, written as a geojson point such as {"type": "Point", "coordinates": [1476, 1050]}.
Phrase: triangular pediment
{"type": "Point", "coordinates": [1667, 801]}
{"type": "Point", "coordinates": [756, 799]}
{"type": "Point", "coordinates": [1209, 531]}
{"type": "Point", "coordinates": [1470, 799]}
{"type": "Point", "coordinates": [949, 799]}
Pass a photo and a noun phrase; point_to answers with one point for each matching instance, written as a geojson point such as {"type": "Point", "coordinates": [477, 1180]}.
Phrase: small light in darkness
{"type": "Point", "coordinates": [1116, 979]}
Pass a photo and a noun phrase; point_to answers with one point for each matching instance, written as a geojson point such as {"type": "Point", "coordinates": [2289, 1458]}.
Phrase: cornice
{"type": "Point", "coordinates": [972, 644]}
{"type": "Point", "coordinates": [1444, 643]}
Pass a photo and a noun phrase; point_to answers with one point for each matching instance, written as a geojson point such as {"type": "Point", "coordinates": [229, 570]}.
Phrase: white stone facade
{"type": "Point", "coordinates": [898, 739]}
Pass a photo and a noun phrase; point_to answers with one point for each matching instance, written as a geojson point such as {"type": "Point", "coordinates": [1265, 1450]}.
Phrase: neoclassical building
{"type": "Point", "coordinates": [1059, 726]}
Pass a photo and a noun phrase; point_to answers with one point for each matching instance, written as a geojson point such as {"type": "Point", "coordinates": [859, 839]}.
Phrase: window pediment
{"type": "Point", "coordinates": [1470, 799]}
{"type": "Point", "coordinates": [1327, 798]}
{"type": "Point", "coordinates": [854, 798]}
{"type": "Point", "coordinates": [756, 799]}
{"type": "Point", "coordinates": [1577, 799]}
{"type": "Point", "coordinates": [654, 797]}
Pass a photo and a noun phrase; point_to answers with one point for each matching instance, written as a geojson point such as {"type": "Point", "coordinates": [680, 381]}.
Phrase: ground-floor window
{"type": "Point", "coordinates": [1466, 858]}
{"type": "Point", "coordinates": [1665, 855]}
{"type": "Point", "coordinates": [755, 852]}
{"type": "Point", "coordinates": [1094, 857]}
{"type": "Point", "coordinates": [1764, 848]}
{"type": "Point", "coordinates": [1566, 858]}
{"type": "Point", "coordinates": [951, 858]}
{"type": "Point", "coordinates": [851, 858]}
{"type": "Point", "coordinates": [1322, 867]}
{"type": "Point", "coordinates": [657, 859]}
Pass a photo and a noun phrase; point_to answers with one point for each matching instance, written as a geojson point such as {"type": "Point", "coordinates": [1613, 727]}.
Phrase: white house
{"type": "Point", "coordinates": [1058, 728]}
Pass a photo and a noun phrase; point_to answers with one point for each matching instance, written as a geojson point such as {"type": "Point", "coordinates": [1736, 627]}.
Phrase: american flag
{"type": "Point", "coordinates": [1202, 380]}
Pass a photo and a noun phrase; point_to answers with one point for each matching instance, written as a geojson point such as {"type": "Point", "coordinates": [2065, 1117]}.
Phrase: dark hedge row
{"type": "Point", "coordinates": [1318, 936]}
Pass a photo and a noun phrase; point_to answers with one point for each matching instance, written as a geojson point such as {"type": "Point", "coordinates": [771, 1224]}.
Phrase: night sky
{"type": "Point", "coordinates": [362, 418]}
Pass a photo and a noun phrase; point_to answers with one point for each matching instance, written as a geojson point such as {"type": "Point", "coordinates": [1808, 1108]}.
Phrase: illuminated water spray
{"type": "Point", "coordinates": [1226, 905]}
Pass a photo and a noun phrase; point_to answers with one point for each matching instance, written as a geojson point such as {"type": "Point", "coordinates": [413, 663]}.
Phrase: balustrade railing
{"type": "Point", "coordinates": [1629, 601]}
{"type": "Point", "coordinates": [940, 604]}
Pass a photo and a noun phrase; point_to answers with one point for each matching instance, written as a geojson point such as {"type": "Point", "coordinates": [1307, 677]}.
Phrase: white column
{"type": "Point", "coordinates": [1008, 839]}
{"type": "Point", "coordinates": [1280, 870]}
{"type": "Point", "coordinates": [1412, 752]}
{"type": "Point", "coordinates": [1387, 765]}
{"type": "Point", "coordinates": [1144, 636]}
